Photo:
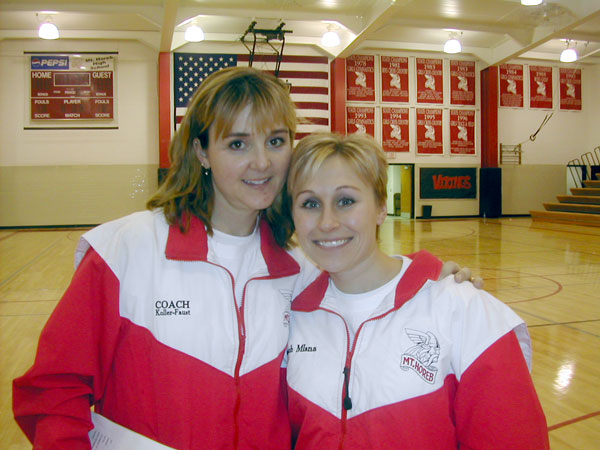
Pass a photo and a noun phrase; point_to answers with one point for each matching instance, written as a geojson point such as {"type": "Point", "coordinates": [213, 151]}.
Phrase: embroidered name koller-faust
{"type": "Point", "coordinates": [172, 307]}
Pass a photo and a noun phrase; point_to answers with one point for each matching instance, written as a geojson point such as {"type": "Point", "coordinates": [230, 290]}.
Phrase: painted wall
{"type": "Point", "coordinates": [97, 175]}
{"type": "Point", "coordinates": [566, 136]}
{"type": "Point", "coordinates": [526, 187]}
{"type": "Point", "coordinates": [64, 177]}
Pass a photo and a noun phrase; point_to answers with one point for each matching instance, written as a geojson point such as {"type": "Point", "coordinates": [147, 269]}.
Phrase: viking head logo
{"type": "Point", "coordinates": [361, 79]}
{"type": "Point", "coordinates": [512, 87]}
{"type": "Point", "coordinates": [541, 88]}
{"type": "Point", "coordinates": [395, 82]}
{"type": "Point", "coordinates": [427, 350]}
{"type": "Point", "coordinates": [429, 82]}
{"type": "Point", "coordinates": [429, 132]}
{"type": "Point", "coordinates": [396, 132]}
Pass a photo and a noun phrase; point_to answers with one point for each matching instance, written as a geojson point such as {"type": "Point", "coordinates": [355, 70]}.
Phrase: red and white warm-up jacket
{"type": "Point", "coordinates": [439, 365]}
{"type": "Point", "coordinates": [149, 332]}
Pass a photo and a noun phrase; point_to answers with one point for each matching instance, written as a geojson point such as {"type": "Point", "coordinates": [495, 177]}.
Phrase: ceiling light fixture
{"type": "Point", "coordinates": [48, 30]}
{"type": "Point", "coordinates": [568, 55]}
{"type": "Point", "coordinates": [194, 33]}
{"type": "Point", "coordinates": [530, 2]}
{"type": "Point", "coordinates": [330, 39]}
{"type": "Point", "coordinates": [452, 45]}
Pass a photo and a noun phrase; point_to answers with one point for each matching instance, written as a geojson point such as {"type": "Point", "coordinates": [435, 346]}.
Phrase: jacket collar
{"type": "Point", "coordinates": [193, 246]}
{"type": "Point", "coordinates": [424, 267]}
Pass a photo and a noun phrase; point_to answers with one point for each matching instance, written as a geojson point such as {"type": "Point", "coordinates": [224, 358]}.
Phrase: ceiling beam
{"type": "Point", "coordinates": [168, 25]}
{"type": "Point", "coordinates": [382, 12]}
{"type": "Point", "coordinates": [512, 49]}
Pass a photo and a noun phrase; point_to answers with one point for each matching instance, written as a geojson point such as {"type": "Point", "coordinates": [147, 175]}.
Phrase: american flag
{"type": "Point", "coordinates": [308, 76]}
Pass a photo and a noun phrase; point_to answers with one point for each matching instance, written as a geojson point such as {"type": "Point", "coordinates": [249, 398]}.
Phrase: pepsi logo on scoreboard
{"type": "Point", "coordinates": [50, 62]}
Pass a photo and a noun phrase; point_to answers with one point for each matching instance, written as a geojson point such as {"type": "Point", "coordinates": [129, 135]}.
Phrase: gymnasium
{"type": "Point", "coordinates": [493, 146]}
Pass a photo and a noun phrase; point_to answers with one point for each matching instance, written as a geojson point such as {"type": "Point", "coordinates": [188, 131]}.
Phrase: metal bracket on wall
{"type": "Point", "coordinates": [265, 36]}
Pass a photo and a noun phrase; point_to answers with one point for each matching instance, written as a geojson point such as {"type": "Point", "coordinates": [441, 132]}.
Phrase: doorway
{"type": "Point", "coordinates": [400, 190]}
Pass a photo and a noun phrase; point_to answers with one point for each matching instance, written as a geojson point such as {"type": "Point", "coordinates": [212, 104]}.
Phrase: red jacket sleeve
{"type": "Point", "coordinates": [51, 402]}
{"type": "Point", "coordinates": [496, 406]}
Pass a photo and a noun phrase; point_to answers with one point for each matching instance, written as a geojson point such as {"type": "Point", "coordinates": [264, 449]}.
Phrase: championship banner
{"type": "Point", "coordinates": [429, 132]}
{"type": "Point", "coordinates": [360, 78]}
{"type": "Point", "coordinates": [394, 79]}
{"type": "Point", "coordinates": [430, 80]}
{"type": "Point", "coordinates": [511, 85]}
{"type": "Point", "coordinates": [72, 87]}
{"type": "Point", "coordinates": [360, 120]}
{"type": "Point", "coordinates": [570, 89]}
{"type": "Point", "coordinates": [455, 182]}
{"type": "Point", "coordinates": [540, 87]}
{"type": "Point", "coordinates": [394, 129]}
{"type": "Point", "coordinates": [462, 132]}
{"type": "Point", "coordinates": [462, 82]}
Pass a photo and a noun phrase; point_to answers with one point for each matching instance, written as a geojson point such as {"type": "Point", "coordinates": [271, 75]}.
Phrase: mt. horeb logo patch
{"type": "Point", "coordinates": [421, 357]}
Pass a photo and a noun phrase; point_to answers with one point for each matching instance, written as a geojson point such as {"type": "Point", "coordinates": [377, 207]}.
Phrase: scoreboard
{"type": "Point", "coordinates": [72, 87]}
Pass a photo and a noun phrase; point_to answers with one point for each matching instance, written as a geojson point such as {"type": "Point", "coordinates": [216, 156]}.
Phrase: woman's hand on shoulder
{"type": "Point", "coordinates": [460, 274]}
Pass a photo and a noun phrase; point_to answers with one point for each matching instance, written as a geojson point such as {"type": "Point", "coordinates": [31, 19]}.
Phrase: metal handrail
{"type": "Point", "coordinates": [587, 161]}
{"type": "Point", "coordinates": [573, 165]}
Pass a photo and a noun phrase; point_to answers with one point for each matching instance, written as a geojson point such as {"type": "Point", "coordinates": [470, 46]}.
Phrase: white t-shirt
{"type": "Point", "coordinates": [356, 308]}
{"type": "Point", "coordinates": [238, 254]}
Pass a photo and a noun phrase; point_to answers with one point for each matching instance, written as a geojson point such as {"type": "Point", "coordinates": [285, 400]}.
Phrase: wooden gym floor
{"type": "Point", "coordinates": [548, 273]}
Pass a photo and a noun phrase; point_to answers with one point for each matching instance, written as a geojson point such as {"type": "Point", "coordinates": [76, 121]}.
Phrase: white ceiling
{"type": "Point", "coordinates": [494, 31]}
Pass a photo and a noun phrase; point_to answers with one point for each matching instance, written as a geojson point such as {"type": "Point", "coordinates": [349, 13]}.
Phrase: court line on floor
{"type": "Point", "coordinates": [545, 229]}
{"type": "Point", "coordinates": [558, 289]}
{"type": "Point", "coordinates": [572, 421]}
{"type": "Point", "coordinates": [506, 238]}
{"type": "Point", "coordinates": [552, 322]}
{"type": "Point", "coordinates": [563, 323]}
{"type": "Point", "coordinates": [26, 301]}
{"type": "Point", "coordinates": [25, 315]}
{"type": "Point", "coordinates": [31, 262]}
{"type": "Point", "coordinates": [8, 235]}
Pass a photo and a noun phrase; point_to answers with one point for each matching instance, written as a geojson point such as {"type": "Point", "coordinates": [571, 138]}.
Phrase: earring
{"type": "Point", "coordinates": [206, 171]}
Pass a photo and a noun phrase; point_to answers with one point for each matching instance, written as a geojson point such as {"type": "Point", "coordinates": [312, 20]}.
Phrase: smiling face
{"type": "Point", "coordinates": [248, 169]}
{"type": "Point", "coordinates": [336, 214]}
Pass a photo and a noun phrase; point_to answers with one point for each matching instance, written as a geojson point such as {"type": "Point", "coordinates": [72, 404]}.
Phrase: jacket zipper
{"type": "Point", "coordinates": [241, 351]}
{"type": "Point", "coordinates": [346, 399]}
{"type": "Point", "coordinates": [241, 339]}
{"type": "Point", "coordinates": [238, 364]}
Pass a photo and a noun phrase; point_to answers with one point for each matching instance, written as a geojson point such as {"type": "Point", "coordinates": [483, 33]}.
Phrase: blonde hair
{"type": "Point", "coordinates": [361, 151]}
{"type": "Point", "coordinates": [187, 190]}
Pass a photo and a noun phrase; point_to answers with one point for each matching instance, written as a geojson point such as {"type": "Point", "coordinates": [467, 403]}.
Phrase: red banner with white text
{"type": "Point", "coordinates": [430, 80]}
{"type": "Point", "coordinates": [360, 119]}
{"type": "Point", "coordinates": [429, 131]}
{"type": "Point", "coordinates": [394, 123]}
{"type": "Point", "coordinates": [360, 78]}
{"type": "Point", "coordinates": [462, 82]}
{"type": "Point", "coordinates": [570, 89]}
{"type": "Point", "coordinates": [394, 79]}
{"type": "Point", "coordinates": [540, 87]}
{"type": "Point", "coordinates": [511, 85]}
{"type": "Point", "coordinates": [462, 132]}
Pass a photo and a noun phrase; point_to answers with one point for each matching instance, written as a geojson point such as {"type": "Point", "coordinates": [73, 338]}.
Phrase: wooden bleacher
{"type": "Point", "coordinates": [581, 208]}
